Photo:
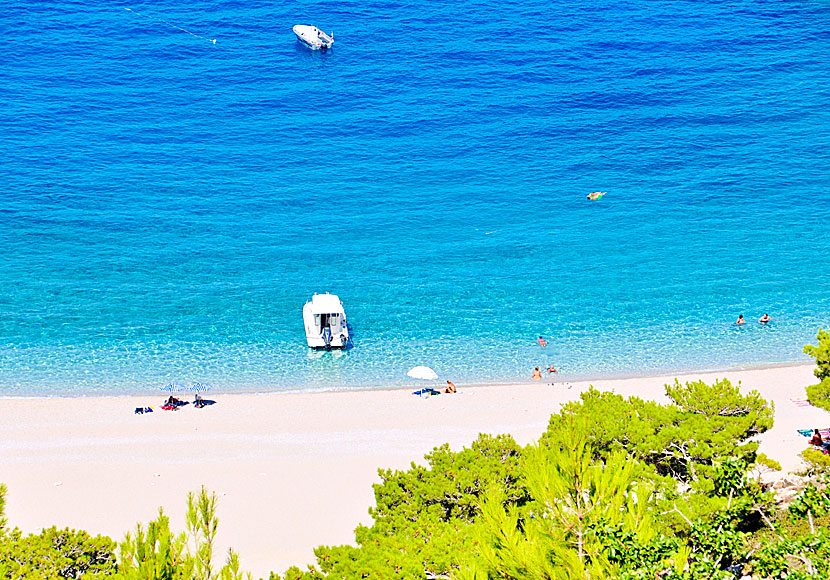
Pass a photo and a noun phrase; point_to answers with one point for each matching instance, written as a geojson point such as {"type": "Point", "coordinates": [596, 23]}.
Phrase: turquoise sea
{"type": "Point", "coordinates": [167, 204]}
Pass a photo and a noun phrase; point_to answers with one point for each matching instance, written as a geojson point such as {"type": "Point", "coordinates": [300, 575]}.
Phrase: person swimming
{"type": "Point", "coordinates": [740, 320]}
{"type": "Point", "coordinates": [542, 341]}
{"type": "Point", "coordinates": [764, 319]}
{"type": "Point", "coordinates": [595, 195]}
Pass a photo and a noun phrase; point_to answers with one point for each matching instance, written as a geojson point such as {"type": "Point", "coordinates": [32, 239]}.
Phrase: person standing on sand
{"type": "Point", "coordinates": [551, 372]}
{"type": "Point", "coordinates": [537, 374]}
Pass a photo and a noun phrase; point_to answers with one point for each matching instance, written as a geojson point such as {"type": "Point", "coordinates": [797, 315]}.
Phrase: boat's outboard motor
{"type": "Point", "coordinates": [327, 337]}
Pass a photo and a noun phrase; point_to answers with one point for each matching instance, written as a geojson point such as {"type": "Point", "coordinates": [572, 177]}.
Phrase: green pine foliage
{"type": "Point", "coordinates": [3, 521]}
{"type": "Point", "coordinates": [798, 551]}
{"type": "Point", "coordinates": [52, 554]}
{"type": "Point", "coordinates": [55, 554]}
{"type": "Point", "coordinates": [154, 553]}
{"type": "Point", "coordinates": [681, 440]}
{"type": "Point", "coordinates": [202, 524]}
{"type": "Point", "coordinates": [587, 518]}
{"type": "Point", "coordinates": [812, 502]}
{"type": "Point", "coordinates": [615, 488]}
{"type": "Point", "coordinates": [819, 394]}
{"type": "Point", "coordinates": [821, 353]}
{"type": "Point", "coordinates": [761, 459]}
{"type": "Point", "coordinates": [817, 462]}
{"type": "Point", "coordinates": [422, 516]}
{"type": "Point", "coordinates": [800, 557]}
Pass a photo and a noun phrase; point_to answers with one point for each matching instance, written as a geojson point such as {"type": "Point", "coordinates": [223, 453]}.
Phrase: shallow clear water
{"type": "Point", "coordinates": [168, 205]}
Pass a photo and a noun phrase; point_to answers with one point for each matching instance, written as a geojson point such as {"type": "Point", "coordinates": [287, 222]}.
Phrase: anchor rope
{"type": "Point", "coordinates": [211, 40]}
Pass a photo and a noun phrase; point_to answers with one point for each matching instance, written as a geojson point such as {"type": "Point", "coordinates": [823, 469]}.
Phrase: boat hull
{"type": "Point", "coordinates": [325, 323]}
{"type": "Point", "coordinates": [313, 37]}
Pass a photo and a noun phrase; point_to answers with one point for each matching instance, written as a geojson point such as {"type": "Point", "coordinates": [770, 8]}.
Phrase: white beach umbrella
{"type": "Point", "coordinates": [200, 387]}
{"type": "Point", "coordinates": [422, 373]}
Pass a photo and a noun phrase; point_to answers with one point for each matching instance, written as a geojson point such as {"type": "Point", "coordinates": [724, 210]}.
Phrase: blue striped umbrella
{"type": "Point", "coordinates": [173, 388]}
{"type": "Point", "coordinates": [200, 387]}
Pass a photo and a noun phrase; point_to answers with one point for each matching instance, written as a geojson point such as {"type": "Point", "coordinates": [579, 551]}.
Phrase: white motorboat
{"type": "Point", "coordinates": [313, 37]}
{"type": "Point", "coordinates": [325, 322]}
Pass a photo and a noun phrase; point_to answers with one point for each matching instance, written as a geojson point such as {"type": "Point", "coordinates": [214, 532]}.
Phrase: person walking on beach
{"type": "Point", "coordinates": [740, 320]}
{"type": "Point", "coordinates": [764, 319]}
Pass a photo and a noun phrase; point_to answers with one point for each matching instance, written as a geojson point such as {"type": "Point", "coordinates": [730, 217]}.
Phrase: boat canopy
{"type": "Point", "coordinates": [325, 304]}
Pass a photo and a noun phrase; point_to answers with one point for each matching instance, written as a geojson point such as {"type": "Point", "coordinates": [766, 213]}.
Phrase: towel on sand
{"type": "Point", "coordinates": [825, 433]}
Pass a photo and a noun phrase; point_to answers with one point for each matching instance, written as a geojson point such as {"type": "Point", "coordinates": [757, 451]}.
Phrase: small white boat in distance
{"type": "Point", "coordinates": [313, 37]}
{"type": "Point", "coordinates": [325, 322]}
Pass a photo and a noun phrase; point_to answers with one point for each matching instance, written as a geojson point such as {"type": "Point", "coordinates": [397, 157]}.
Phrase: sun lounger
{"type": "Point", "coordinates": [426, 392]}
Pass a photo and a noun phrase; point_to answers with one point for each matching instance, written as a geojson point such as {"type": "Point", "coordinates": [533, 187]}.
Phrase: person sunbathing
{"type": "Point", "coordinates": [174, 402]}
{"type": "Point", "coordinates": [450, 387]}
{"type": "Point", "coordinates": [816, 438]}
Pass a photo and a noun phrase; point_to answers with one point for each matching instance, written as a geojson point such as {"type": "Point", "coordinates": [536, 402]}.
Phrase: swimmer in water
{"type": "Point", "coordinates": [595, 195]}
{"type": "Point", "coordinates": [542, 341]}
{"type": "Point", "coordinates": [537, 374]}
{"type": "Point", "coordinates": [740, 320]}
{"type": "Point", "coordinates": [764, 319]}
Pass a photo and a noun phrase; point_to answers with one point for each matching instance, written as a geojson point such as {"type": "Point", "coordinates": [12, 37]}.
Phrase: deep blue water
{"type": "Point", "coordinates": [167, 205]}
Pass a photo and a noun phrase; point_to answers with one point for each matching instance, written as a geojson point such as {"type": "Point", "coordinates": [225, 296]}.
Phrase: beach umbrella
{"type": "Point", "coordinates": [200, 387]}
{"type": "Point", "coordinates": [422, 373]}
{"type": "Point", "coordinates": [173, 388]}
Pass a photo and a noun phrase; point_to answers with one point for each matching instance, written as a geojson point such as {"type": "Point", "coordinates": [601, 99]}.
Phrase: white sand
{"type": "Point", "coordinates": [291, 471]}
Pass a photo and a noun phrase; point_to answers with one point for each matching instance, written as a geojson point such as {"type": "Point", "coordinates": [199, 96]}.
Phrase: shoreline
{"type": "Point", "coordinates": [416, 384]}
{"type": "Point", "coordinates": [293, 470]}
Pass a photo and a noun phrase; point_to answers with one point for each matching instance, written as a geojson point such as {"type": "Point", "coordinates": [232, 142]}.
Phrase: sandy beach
{"type": "Point", "coordinates": [292, 471]}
